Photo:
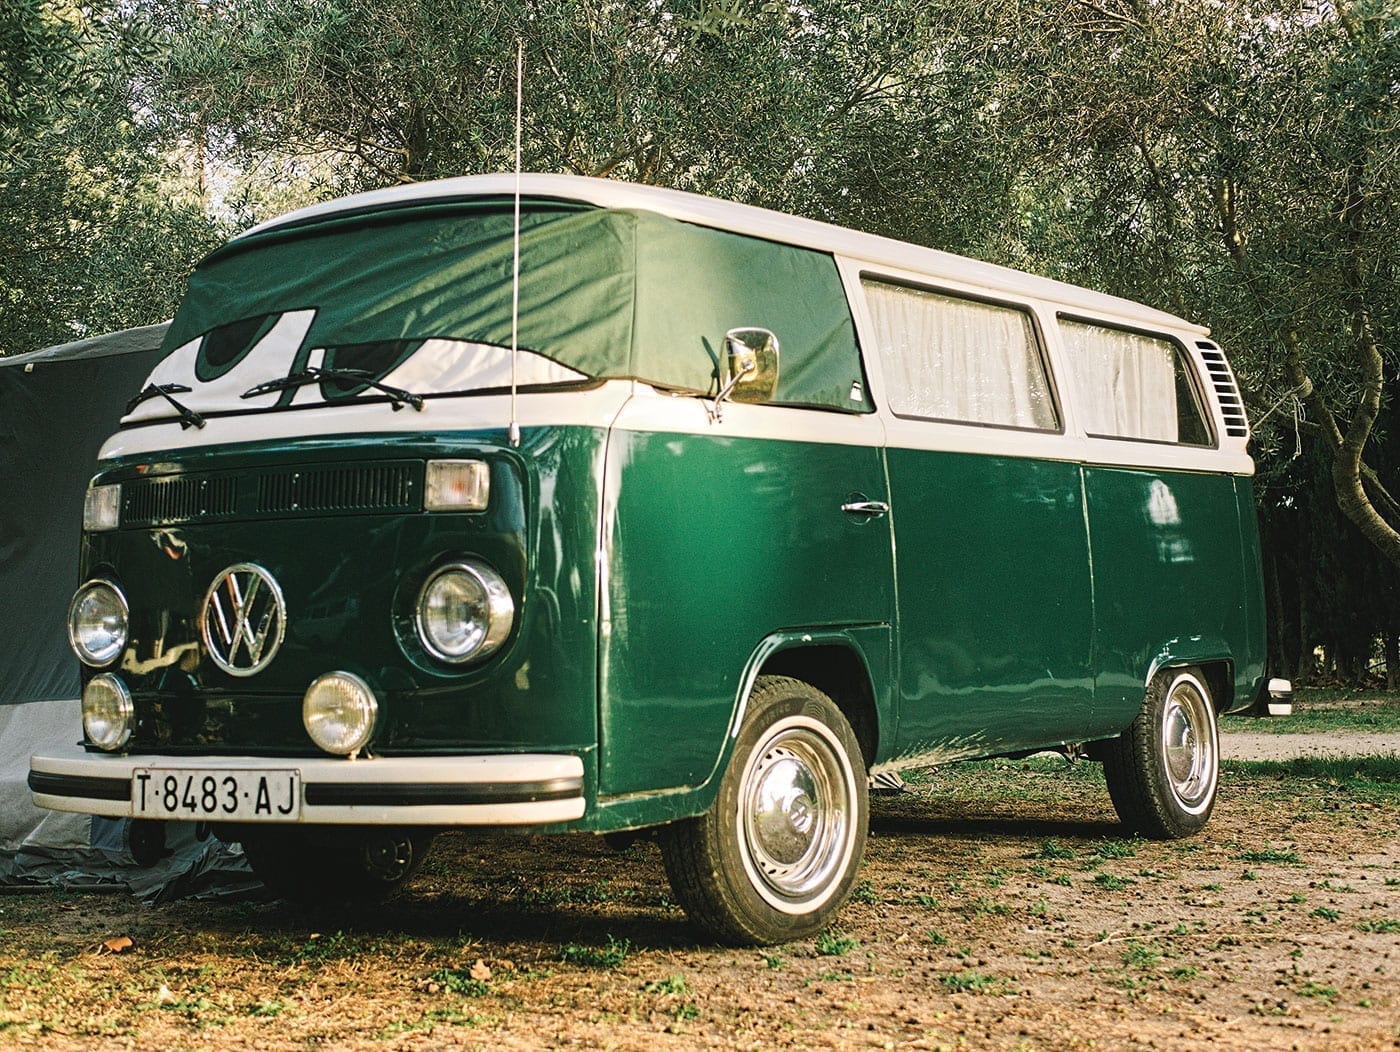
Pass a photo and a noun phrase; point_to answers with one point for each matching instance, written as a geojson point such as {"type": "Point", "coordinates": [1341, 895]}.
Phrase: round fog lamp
{"type": "Point", "coordinates": [338, 711]}
{"type": "Point", "coordinates": [97, 619]}
{"type": "Point", "coordinates": [465, 612]}
{"type": "Point", "coordinates": [107, 712]}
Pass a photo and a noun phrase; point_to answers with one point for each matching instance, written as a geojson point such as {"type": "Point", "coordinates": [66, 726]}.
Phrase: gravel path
{"type": "Point", "coordinates": [1255, 746]}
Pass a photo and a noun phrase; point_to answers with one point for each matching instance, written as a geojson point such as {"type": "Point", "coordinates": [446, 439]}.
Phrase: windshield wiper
{"type": "Point", "coordinates": [188, 417]}
{"type": "Point", "coordinates": [310, 375]}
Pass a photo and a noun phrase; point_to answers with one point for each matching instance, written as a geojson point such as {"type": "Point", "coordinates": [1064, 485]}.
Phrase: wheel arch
{"type": "Point", "coordinates": [844, 664]}
{"type": "Point", "coordinates": [1212, 658]}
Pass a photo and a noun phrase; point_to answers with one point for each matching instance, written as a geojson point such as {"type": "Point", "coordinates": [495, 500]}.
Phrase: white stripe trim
{"type": "Point", "coordinates": [592, 407]}
{"type": "Point", "coordinates": [638, 408]}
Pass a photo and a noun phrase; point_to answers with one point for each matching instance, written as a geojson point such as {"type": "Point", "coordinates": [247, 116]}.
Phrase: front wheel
{"type": "Point", "coordinates": [776, 855]}
{"type": "Point", "coordinates": [321, 866]}
{"type": "Point", "coordinates": [1162, 772]}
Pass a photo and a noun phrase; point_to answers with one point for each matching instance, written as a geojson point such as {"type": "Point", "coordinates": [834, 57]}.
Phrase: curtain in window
{"type": "Point", "coordinates": [954, 359]}
{"type": "Point", "coordinates": [1126, 382]}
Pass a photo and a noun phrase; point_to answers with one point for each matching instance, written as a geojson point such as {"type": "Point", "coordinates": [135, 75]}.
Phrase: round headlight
{"type": "Point", "coordinates": [338, 711]}
{"type": "Point", "coordinates": [107, 712]}
{"type": "Point", "coordinates": [464, 612]}
{"type": "Point", "coordinates": [97, 619]}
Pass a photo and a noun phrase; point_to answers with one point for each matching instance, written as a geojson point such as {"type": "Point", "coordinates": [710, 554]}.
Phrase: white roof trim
{"type": "Point", "coordinates": [756, 222]}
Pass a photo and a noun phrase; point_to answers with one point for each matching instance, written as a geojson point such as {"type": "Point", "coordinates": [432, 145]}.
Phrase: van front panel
{"type": "Point", "coordinates": [350, 581]}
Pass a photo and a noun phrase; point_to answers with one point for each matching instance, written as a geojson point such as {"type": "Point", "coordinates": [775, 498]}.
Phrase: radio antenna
{"type": "Point", "coordinates": [514, 432]}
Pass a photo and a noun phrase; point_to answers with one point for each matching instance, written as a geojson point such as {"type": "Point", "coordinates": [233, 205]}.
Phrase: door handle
{"type": "Point", "coordinates": [865, 507]}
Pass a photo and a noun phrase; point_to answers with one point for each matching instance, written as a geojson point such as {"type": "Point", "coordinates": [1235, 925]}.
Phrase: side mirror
{"type": "Point", "coordinates": [752, 356]}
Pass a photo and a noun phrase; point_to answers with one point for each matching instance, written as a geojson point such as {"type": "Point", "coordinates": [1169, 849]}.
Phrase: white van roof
{"type": "Point", "coordinates": [755, 222]}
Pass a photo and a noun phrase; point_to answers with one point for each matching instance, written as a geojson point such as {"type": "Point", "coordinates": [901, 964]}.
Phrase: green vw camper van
{"type": "Point", "coordinates": [609, 508]}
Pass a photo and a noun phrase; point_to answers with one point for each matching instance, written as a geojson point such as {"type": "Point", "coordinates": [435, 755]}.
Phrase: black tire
{"type": "Point", "coordinates": [777, 854]}
{"type": "Point", "coordinates": [329, 867]}
{"type": "Point", "coordinates": [1163, 771]}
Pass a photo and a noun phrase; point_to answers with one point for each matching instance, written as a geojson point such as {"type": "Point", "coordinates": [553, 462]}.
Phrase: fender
{"type": "Point", "coordinates": [871, 645]}
{"type": "Point", "coordinates": [1199, 650]}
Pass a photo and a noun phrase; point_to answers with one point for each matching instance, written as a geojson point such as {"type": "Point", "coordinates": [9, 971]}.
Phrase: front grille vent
{"type": "Point", "coordinates": [1227, 390]}
{"type": "Point", "coordinates": [387, 487]}
{"type": "Point", "coordinates": [169, 501]}
{"type": "Point", "coordinates": [343, 489]}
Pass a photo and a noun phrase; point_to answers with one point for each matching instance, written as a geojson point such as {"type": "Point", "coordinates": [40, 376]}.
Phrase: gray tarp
{"type": "Point", "coordinates": [56, 408]}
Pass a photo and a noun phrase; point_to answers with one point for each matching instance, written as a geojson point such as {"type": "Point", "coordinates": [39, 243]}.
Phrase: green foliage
{"type": "Point", "coordinates": [95, 234]}
{"type": "Point", "coordinates": [610, 956]}
{"type": "Point", "coordinates": [833, 944]}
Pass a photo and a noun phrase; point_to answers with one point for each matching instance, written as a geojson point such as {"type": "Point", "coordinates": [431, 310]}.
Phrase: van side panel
{"type": "Point", "coordinates": [712, 542]}
{"type": "Point", "coordinates": [1167, 579]}
{"type": "Point", "coordinates": [995, 607]}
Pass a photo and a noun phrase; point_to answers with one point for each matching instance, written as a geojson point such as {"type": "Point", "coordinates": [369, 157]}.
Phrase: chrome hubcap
{"type": "Point", "coordinates": [1189, 746]}
{"type": "Point", "coordinates": [795, 815]}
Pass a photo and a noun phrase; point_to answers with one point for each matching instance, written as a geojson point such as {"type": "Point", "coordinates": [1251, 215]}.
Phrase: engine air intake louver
{"type": "Point", "coordinates": [383, 487]}
{"type": "Point", "coordinates": [169, 501]}
{"type": "Point", "coordinates": [1227, 390]}
{"type": "Point", "coordinates": [387, 487]}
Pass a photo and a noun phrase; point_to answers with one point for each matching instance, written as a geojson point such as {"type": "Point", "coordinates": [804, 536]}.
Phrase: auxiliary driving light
{"type": "Point", "coordinates": [107, 712]}
{"type": "Point", "coordinates": [338, 711]}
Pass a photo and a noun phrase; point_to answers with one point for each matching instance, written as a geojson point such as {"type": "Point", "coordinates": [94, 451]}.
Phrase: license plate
{"type": "Point", "coordinates": [203, 795]}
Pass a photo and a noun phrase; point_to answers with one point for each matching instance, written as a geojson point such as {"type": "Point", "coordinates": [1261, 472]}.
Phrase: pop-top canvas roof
{"type": "Point", "coordinates": [420, 296]}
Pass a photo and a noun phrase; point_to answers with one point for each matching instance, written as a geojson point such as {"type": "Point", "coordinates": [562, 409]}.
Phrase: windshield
{"type": "Point", "coordinates": [418, 300]}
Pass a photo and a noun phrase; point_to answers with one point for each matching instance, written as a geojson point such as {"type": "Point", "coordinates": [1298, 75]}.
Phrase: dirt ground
{"type": "Point", "coordinates": [999, 907]}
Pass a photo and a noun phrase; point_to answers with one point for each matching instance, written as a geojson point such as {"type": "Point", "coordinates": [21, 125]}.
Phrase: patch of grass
{"type": "Point", "coordinates": [610, 956]}
{"type": "Point", "coordinates": [1380, 927]}
{"type": "Point", "coordinates": [1051, 848]}
{"type": "Point", "coordinates": [1110, 882]}
{"type": "Point", "coordinates": [1107, 849]}
{"type": "Point", "coordinates": [430, 1019]}
{"type": "Point", "coordinates": [1358, 776]}
{"type": "Point", "coordinates": [1313, 989]}
{"type": "Point", "coordinates": [265, 1009]}
{"type": "Point", "coordinates": [832, 944]}
{"type": "Point", "coordinates": [985, 907]}
{"type": "Point", "coordinates": [864, 893]}
{"type": "Point", "coordinates": [1319, 709]}
{"type": "Point", "coordinates": [928, 902]}
{"type": "Point", "coordinates": [672, 984]}
{"type": "Point", "coordinates": [972, 983]}
{"type": "Point", "coordinates": [773, 961]}
{"type": "Point", "coordinates": [1326, 913]}
{"type": "Point", "coordinates": [1269, 853]}
{"type": "Point", "coordinates": [936, 937]}
{"type": "Point", "coordinates": [1185, 972]}
{"type": "Point", "coordinates": [1141, 955]}
{"type": "Point", "coordinates": [460, 982]}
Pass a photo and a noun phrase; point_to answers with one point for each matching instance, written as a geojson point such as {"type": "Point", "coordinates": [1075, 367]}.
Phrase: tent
{"type": "Point", "coordinates": [56, 407]}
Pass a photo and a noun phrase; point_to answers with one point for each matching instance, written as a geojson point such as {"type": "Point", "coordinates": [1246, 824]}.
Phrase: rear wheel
{"type": "Point", "coordinates": [1162, 772]}
{"type": "Point", "coordinates": [336, 866]}
{"type": "Point", "coordinates": [777, 853]}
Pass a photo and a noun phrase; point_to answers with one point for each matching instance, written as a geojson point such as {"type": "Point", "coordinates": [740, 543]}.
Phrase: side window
{"type": "Point", "coordinates": [948, 358]}
{"type": "Point", "coordinates": [1131, 385]}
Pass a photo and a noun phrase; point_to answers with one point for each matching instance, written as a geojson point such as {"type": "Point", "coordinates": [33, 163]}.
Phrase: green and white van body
{"type": "Point", "coordinates": [969, 552]}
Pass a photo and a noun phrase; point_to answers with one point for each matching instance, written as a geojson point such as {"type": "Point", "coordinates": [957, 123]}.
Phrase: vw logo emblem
{"type": "Point", "coordinates": [243, 619]}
